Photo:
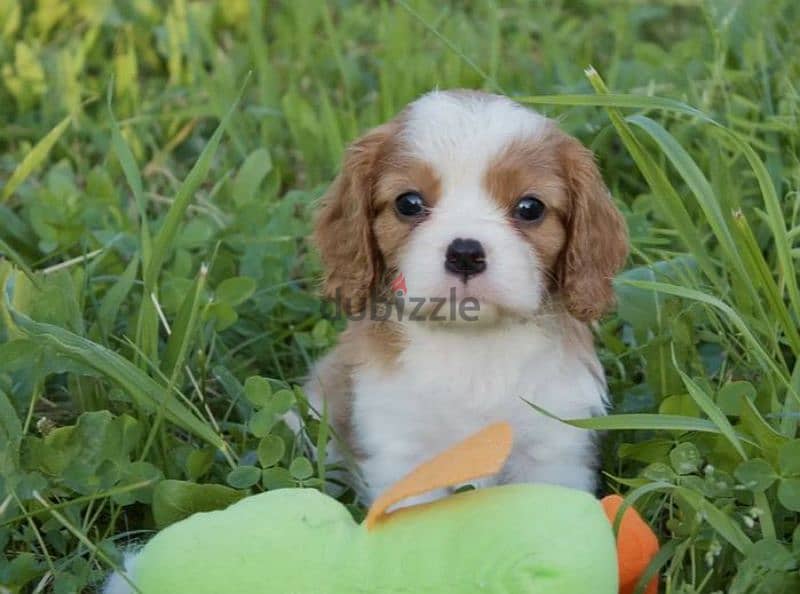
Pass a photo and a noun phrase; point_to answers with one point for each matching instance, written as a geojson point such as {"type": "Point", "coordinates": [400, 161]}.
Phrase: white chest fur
{"type": "Point", "coordinates": [447, 384]}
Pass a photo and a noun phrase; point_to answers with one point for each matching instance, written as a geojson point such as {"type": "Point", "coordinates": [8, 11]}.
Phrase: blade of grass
{"type": "Point", "coordinates": [9, 252]}
{"type": "Point", "coordinates": [177, 347]}
{"type": "Point", "coordinates": [146, 337]}
{"type": "Point", "coordinates": [132, 175]}
{"type": "Point", "coordinates": [454, 48]}
{"type": "Point", "coordinates": [147, 321]}
{"type": "Point", "coordinates": [704, 195]}
{"type": "Point", "coordinates": [757, 426]}
{"type": "Point", "coordinates": [789, 421]}
{"type": "Point", "coordinates": [633, 496]}
{"type": "Point", "coordinates": [761, 501]}
{"type": "Point", "coordinates": [664, 555]}
{"type": "Point", "coordinates": [144, 390]}
{"type": "Point", "coordinates": [711, 410]}
{"type": "Point", "coordinates": [748, 246]}
{"type": "Point", "coordinates": [184, 325]}
{"type": "Point", "coordinates": [670, 203]}
{"type": "Point", "coordinates": [719, 520]}
{"type": "Point", "coordinates": [77, 501]}
{"type": "Point", "coordinates": [177, 210]}
{"type": "Point", "coordinates": [775, 218]}
{"type": "Point", "coordinates": [34, 159]}
{"type": "Point", "coordinates": [618, 100]}
{"type": "Point", "coordinates": [114, 297]}
{"type": "Point", "coordinates": [729, 313]}
{"type": "Point", "coordinates": [642, 422]}
{"type": "Point", "coordinates": [322, 442]}
{"type": "Point", "coordinates": [85, 541]}
{"type": "Point", "coordinates": [36, 532]}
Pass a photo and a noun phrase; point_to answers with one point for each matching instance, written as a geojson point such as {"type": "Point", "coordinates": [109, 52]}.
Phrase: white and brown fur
{"type": "Point", "coordinates": [399, 391]}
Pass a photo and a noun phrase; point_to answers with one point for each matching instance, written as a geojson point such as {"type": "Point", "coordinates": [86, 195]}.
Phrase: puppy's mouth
{"type": "Point", "coordinates": [467, 288]}
{"type": "Point", "coordinates": [454, 302]}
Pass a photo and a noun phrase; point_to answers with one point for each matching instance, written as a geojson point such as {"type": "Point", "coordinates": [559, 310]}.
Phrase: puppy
{"type": "Point", "coordinates": [470, 242]}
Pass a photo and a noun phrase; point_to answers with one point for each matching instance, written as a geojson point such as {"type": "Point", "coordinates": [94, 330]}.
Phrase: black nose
{"type": "Point", "coordinates": [465, 257]}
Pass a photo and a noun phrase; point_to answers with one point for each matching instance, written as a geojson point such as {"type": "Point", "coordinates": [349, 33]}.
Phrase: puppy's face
{"type": "Point", "coordinates": [470, 195]}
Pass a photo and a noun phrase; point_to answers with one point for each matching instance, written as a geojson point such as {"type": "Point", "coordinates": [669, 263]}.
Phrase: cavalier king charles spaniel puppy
{"type": "Point", "coordinates": [470, 243]}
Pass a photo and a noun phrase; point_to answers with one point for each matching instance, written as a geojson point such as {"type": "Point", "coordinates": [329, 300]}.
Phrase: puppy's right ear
{"type": "Point", "coordinates": [343, 230]}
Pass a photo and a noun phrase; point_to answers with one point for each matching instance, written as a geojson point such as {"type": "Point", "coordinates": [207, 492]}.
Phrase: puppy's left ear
{"type": "Point", "coordinates": [597, 238]}
{"type": "Point", "coordinates": [343, 229]}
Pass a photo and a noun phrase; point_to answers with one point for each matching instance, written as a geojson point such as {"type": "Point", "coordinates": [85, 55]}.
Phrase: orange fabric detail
{"type": "Point", "coordinates": [478, 456]}
{"type": "Point", "coordinates": [637, 544]}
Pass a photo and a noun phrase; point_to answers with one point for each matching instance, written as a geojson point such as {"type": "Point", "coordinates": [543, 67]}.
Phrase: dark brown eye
{"type": "Point", "coordinates": [409, 205]}
{"type": "Point", "coordinates": [529, 209]}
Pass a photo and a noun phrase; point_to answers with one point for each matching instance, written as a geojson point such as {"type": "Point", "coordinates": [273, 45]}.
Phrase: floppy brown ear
{"type": "Point", "coordinates": [343, 230]}
{"type": "Point", "coordinates": [597, 238]}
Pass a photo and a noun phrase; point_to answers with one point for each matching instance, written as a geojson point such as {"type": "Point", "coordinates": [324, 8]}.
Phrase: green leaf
{"type": "Point", "coordinates": [252, 172]}
{"type": "Point", "coordinates": [679, 404]}
{"type": "Point", "coordinates": [789, 458]}
{"type": "Point", "coordinates": [282, 401]}
{"type": "Point", "coordinates": [789, 493]}
{"type": "Point", "coordinates": [235, 291]}
{"type": "Point", "coordinates": [756, 475]}
{"type": "Point", "coordinates": [270, 450]}
{"type": "Point", "coordinates": [301, 469]}
{"type": "Point", "coordinates": [21, 570]}
{"type": "Point", "coordinates": [243, 477]}
{"type": "Point", "coordinates": [775, 217]}
{"type": "Point", "coordinates": [685, 458]}
{"type": "Point", "coordinates": [198, 463]}
{"type": "Point", "coordinates": [276, 478]}
{"type": "Point", "coordinates": [669, 203]}
{"type": "Point", "coordinates": [34, 158]}
{"type": "Point", "coordinates": [175, 500]}
{"type": "Point", "coordinates": [262, 422]}
{"type": "Point", "coordinates": [257, 390]}
{"type": "Point", "coordinates": [731, 396]}
{"type": "Point", "coordinates": [224, 315]}
{"type": "Point", "coordinates": [659, 472]}
{"type": "Point", "coordinates": [135, 473]}
{"type": "Point", "coordinates": [771, 554]}
{"type": "Point", "coordinates": [10, 437]}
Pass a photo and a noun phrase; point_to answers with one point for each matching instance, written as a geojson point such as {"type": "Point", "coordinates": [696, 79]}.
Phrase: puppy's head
{"type": "Point", "coordinates": [470, 195]}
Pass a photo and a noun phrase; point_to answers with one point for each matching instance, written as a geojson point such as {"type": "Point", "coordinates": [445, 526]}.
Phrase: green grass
{"type": "Point", "coordinates": [159, 163]}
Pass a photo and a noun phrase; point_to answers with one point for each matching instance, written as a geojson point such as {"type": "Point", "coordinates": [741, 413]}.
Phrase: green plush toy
{"type": "Point", "coordinates": [513, 539]}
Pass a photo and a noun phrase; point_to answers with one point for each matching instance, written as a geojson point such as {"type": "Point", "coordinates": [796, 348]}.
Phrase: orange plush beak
{"type": "Point", "coordinates": [636, 546]}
